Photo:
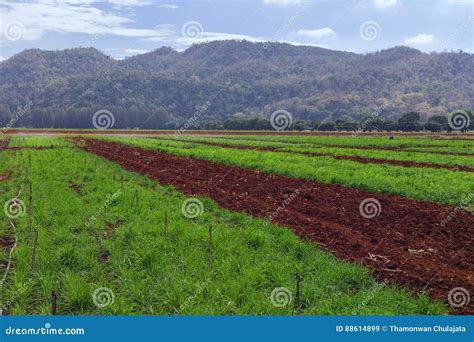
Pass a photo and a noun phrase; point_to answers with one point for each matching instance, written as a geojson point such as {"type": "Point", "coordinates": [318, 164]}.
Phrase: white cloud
{"type": "Point", "coordinates": [318, 34]}
{"type": "Point", "coordinates": [291, 42]}
{"type": "Point", "coordinates": [384, 3]}
{"type": "Point", "coordinates": [170, 6]}
{"type": "Point", "coordinates": [34, 20]}
{"type": "Point", "coordinates": [463, 2]}
{"type": "Point", "coordinates": [202, 38]}
{"type": "Point", "coordinates": [2, 58]}
{"type": "Point", "coordinates": [129, 3]}
{"type": "Point", "coordinates": [420, 39]}
{"type": "Point", "coordinates": [281, 2]}
{"type": "Point", "coordinates": [135, 51]}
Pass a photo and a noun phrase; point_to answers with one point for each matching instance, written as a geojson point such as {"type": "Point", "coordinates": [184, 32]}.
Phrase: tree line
{"type": "Point", "coordinates": [410, 122]}
{"type": "Point", "coordinates": [159, 118]}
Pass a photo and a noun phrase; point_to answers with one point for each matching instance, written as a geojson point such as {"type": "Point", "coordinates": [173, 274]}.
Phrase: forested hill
{"type": "Point", "coordinates": [216, 80]}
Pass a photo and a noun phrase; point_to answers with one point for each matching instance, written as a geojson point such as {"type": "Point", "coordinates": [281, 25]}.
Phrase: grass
{"type": "Point", "coordinates": [378, 154]}
{"type": "Point", "coordinates": [367, 141]}
{"type": "Point", "coordinates": [153, 270]}
{"type": "Point", "coordinates": [38, 141]}
{"type": "Point", "coordinates": [436, 185]}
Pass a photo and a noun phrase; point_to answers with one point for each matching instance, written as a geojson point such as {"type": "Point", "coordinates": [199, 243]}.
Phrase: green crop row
{"type": "Point", "coordinates": [418, 144]}
{"type": "Point", "coordinates": [377, 154]}
{"type": "Point", "coordinates": [93, 236]}
{"type": "Point", "coordinates": [37, 141]}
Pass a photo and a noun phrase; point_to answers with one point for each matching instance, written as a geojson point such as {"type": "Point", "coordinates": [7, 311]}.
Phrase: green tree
{"type": "Point", "coordinates": [327, 126]}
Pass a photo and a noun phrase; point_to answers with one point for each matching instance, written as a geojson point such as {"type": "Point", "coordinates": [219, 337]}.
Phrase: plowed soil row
{"type": "Point", "coordinates": [358, 159]}
{"type": "Point", "coordinates": [407, 243]}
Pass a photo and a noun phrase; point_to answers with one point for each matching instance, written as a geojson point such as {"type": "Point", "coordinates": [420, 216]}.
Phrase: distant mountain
{"type": "Point", "coordinates": [165, 88]}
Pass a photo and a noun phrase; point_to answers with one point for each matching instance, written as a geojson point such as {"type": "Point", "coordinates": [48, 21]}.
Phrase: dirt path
{"type": "Point", "coordinates": [407, 243]}
{"type": "Point", "coordinates": [358, 159]}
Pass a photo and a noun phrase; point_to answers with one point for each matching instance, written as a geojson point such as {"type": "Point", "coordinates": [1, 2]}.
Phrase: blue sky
{"type": "Point", "coordinates": [122, 28]}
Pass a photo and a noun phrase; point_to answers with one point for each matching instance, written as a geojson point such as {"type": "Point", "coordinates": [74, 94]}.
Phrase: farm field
{"type": "Point", "coordinates": [236, 225]}
{"type": "Point", "coordinates": [454, 160]}
{"type": "Point", "coordinates": [439, 185]}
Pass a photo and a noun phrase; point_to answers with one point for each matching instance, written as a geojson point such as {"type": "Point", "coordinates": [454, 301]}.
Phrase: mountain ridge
{"type": "Point", "coordinates": [255, 79]}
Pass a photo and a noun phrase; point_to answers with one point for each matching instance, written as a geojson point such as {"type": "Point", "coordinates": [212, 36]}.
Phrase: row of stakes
{"type": "Point", "coordinates": [297, 307]}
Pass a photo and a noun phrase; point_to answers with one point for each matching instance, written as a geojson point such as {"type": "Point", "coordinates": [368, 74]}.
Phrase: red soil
{"type": "Point", "coordinates": [76, 187]}
{"type": "Point", "coordinates": [407, 243]}
{"type": "Point", "coordinates": [7, 242]}
{"type": "Point", "coordinates": [4, 177]}
{"type": "Point", "coordinates": [4, 144]}
{"type": "Point", "coordinates": [358, 159]}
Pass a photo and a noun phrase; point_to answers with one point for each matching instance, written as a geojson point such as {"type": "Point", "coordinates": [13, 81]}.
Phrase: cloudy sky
{"type": "Point", "coordinates": [123, 28]}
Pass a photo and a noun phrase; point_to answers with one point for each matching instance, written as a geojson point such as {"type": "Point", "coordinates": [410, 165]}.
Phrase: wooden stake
{"type": "Point", "coordinates": [298, 294]}
{"type": "Point", "coordinates": [30, 226]}
{"type": "Point", "coordinates": [30, 207]}
{"type": "Point", "coordinates": [54, 299]}
{"type": "Point", "coordinates": [135, 197]}
{"type": "Point", "coordinates": [33, 258]}
{"type": "Point", "coordinates": [27, 173]}
{"type": "Point", "coordinates": [123, 188]}
{"type": "Point", "coordinates": [166, 221]}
